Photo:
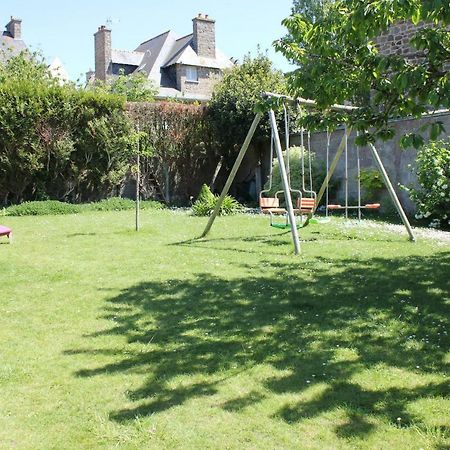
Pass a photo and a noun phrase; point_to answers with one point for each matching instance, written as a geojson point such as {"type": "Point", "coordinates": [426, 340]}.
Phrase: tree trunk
{"type": "Point", "coordinates": [166, 183]}
{"type": "Point", "coordinates": [138, 193]}
{"type": "Point", "coordinates": [216, 173]}
{"type": "Point", "coordinates": [258, 180]}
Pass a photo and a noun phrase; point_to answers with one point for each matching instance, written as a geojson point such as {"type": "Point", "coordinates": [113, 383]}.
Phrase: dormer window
{"type": "Point", "coordinates": [191, 73]}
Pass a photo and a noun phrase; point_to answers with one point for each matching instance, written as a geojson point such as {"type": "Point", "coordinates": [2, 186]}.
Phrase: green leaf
{"type": "Point", "coordinates": [416, 16]}
{"type": "Point", "coordinates": [435, 130]}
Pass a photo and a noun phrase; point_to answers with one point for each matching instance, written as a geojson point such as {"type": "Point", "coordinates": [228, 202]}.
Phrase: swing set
{"type": "Point", "coordinates": [307, 200]}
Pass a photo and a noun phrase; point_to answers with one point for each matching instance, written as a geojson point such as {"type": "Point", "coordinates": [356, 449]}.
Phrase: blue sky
{"type": "Point", "coordinates": [65, 29]}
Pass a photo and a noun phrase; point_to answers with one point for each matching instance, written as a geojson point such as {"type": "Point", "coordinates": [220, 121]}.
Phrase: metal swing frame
{"type": "Point", "coordinates": [283, 172]}
{"type": "Point", "coordinates": [271, 205]}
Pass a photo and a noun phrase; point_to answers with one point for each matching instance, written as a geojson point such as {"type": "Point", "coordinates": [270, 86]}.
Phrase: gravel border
{"type": "Point", "coordinates": [443, 237]}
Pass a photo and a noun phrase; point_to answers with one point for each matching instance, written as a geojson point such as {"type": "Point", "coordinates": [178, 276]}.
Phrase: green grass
{"type": "Point", "coordinates": [116, 339]}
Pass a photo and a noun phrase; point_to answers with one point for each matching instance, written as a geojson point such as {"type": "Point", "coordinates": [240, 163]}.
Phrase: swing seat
{"type": "Point", "coordinates": [366, 206]}
{"type": "Point", "coordinates": [306, 205]}
{"type": "Point", "coordinates": [271, 205]}
{"type": "Point", "coordinates": [276, 211]}
{"type": "Point", "coordinates": [269, 202]}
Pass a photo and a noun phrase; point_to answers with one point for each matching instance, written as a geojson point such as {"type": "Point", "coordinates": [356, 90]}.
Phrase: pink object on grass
{"type": "Point", "coordinates": [5, 231]}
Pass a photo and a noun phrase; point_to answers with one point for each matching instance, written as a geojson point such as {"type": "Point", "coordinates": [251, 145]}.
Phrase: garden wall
{"type": "Point", "coordinates": [398, 162]}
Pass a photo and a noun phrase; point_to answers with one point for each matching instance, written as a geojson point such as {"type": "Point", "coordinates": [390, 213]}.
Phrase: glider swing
{"type": "Point", "coordinates": [306, 198]}
{"type": "Point", "coordinates": [284, 175]}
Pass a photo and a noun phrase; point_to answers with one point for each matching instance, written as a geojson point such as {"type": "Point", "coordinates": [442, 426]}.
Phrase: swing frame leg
{"type": "Point", "coordinates": [233, 173]}
{"type": "Point", "coordinates": [392, 192]}
{"type": "Point", "coordinates": [384, 175]}
{"type": "Point", "coordinates": [284, 179]}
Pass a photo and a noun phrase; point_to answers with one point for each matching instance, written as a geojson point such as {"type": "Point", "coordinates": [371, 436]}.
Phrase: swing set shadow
{"type": "Point", "coordinates": [199, 242]}
{"type": "Point", "coordinates": [272, 240]}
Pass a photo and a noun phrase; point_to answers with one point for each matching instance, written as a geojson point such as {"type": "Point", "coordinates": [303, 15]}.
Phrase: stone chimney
{"type": "Point", "coordinates": [204, 36]}
{"type": "Point", "coordinates": [14, 28]}
{"type": "Point", "coordinates": [102, 53]}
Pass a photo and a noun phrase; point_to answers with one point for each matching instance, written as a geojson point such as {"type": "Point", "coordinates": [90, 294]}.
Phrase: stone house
{"type": "Point", "coordinates": [11, 42]}
{"type": "Point", "coordinates": [396, 40]}
{"type": "Point", "coordinates": [180, 67]}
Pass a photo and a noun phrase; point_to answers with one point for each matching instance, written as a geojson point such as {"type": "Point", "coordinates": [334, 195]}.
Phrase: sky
{"type": "Point", "coordinates": [65, 29]}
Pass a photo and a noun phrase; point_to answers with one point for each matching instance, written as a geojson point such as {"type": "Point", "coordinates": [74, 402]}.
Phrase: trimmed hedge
{"type": "Point", "coordinates": [120, 204]}
{"type": "Point", "coordinates": [45, 208]}
{"type": "Point", "coordinates": [53, 207]}
{"type": "Point", "coordinates": [59, 142]}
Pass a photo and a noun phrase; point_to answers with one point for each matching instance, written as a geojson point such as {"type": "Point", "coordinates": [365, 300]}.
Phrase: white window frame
{"type": "Point", "coordinates": [192, 74]}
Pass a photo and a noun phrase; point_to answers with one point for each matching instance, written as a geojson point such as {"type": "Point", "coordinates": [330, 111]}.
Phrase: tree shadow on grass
{"type": "Point", "coordinates": [313, 234]}
{"type": "Point", "coordinates": [331, 325]}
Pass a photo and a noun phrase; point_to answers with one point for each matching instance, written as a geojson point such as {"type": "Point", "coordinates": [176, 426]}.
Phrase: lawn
{"type": "Point", "coordinates": [117, 339]}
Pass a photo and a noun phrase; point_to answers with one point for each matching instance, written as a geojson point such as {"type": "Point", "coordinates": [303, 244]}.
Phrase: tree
{"type": "Point", "coordinates": [177, 136]}
{"type": "Point", "coordinates": [24, 66]}
{"type": "Point", "coordinates": [313, 10]}
{"type": "Point", "coordinates": [234, 99]}
{"type": "Point", "coordinates": [135, 87]}
{"type": "Point", "coordinates": [340, 62]}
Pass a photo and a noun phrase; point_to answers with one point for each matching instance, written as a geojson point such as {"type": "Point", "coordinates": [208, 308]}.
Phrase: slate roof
{"type": "Point", "coordinates": [156, 51]}
{"type": "Point", "coordinates": [126, 57]}
{"type": "Point", "coordinates": [164, 50]}
{"type": "Point", "coordinates": [188, 56]}
{"type": "Point", "coordinates": [9, 46]}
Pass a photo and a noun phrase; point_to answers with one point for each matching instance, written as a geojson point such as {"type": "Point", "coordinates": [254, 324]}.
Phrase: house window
{"type": "Point", "coordinates": [191, 73]}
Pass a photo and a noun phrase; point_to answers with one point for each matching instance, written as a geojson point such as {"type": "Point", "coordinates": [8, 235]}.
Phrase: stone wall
{"type": "Point", "coordinates": [398, 162]}
{"type": "Point", "coordinates": [397, 40]}
{"type": "Point", "coordinates": [207, 78]}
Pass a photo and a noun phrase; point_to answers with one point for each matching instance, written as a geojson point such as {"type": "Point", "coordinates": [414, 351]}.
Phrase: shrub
{"type": "Point", "coordinates": [432, 199]}
{"type": "Point", "coordinates": [229, 206]}
{"type": "Point", "coordinates": [111, 204]}
{"type": "Point", "coordinates": [48, 207]}
{"type": "Point", "coordinates": [177, 143]}
{"type": "Point", "coordinates": [121, 204]}
{"type": "Point", "coordinates": [56, 141]}
{"type": "Point", "coordinates": [372, 184]}
{"type": "Point", "coordinates": [206, 202]}
{"type": "Point", "coordinates": [152, 204]}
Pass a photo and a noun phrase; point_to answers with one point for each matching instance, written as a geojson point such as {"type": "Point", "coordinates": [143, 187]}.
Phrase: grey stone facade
{"type": "Point", "coordinates": [207, 78]}
{"type": "Point", "coordinates": [103, 53]}
{"type": "Point", "coordinates": [204, 36]}
{"type": "Point", "coordinates": [397, 40]}
{"type": "Point", "coordinates": [14, 28]}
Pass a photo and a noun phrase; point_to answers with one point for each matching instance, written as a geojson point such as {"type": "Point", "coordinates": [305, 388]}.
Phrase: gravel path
{"type": "Point", "coordinates": [443, 237]}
